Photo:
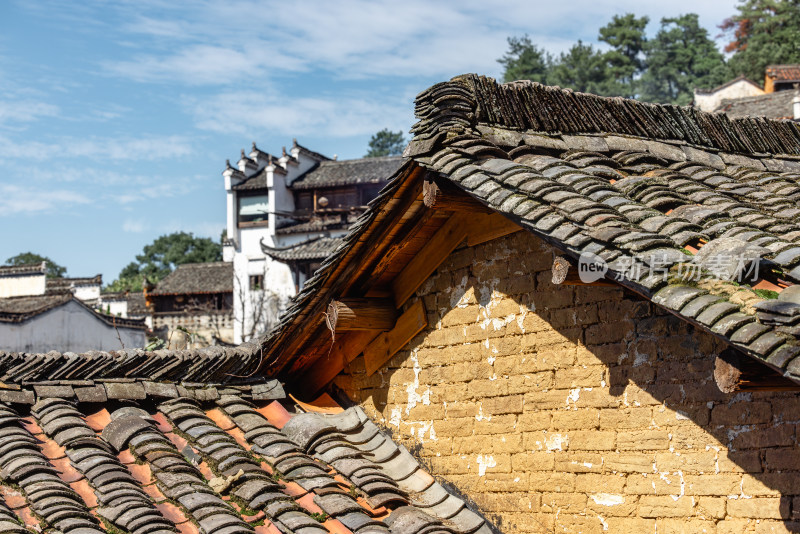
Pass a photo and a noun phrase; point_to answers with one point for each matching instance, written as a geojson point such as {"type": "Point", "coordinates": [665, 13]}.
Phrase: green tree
{"type": "Point", "coordinates": [386, 143]}
{"type": "Point", "coordinates": [161, 257]}
{"type": "Point", "coordinates": [679, 59]}
{"type": "Point", "coordinates": [54, 270]}
{"type": "Point", "coordinates": [764, 32]}
{"type": "Point", "coordinates": [625, 61]}
{"type": "Point", "coordinates": [525, 61]}
{"type": "Point", "coordinates": [582, 68]}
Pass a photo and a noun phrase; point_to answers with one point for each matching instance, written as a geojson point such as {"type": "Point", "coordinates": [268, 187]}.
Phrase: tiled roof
{"type": "Point", "coordinates": [740, 78]}
{"type": "Point", "coordinates": [348, 172]}
{"type": "Point", "coordinates": [788, 73]}
{"type": "Point", "coordinates": [633, 201]}
{"type": "Point", "coordinates": [771, 105]}
{"type": "Point", "coordinates": [137, 304]}
{"type": "Point", "coordinates": [193, 278]}
{"type": "Point", "coordinates": [58, 284]}
{"type": "Point", "coordinates": [16, 270]}
{"type": "Point", "coordinates": [320, 223]}
{"type": "Point", "coordinates": [317, 248]}
{"type": "Point", "coordinates": [634, 183]}
{"type": "Point", "coordinates": [257, 181]}
{"type": "Point", "coordinates": [19, 309]}
{"type": "Point", "coordinates": [211, 461]}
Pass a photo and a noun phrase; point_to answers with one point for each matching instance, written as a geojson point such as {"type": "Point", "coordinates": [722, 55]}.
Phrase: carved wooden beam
{"type": "Point", "coordinates": [442, 195]}
{"type": "Point", "coordinates": [566, 274]}
{"type": "Point", "coordinates": [348, 314]}
{"type": "Point", "coordinates": [734, 371]}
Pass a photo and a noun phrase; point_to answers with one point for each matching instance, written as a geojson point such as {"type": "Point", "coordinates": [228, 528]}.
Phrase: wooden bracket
{"type": "Point", "coordinates": [386, 345]}
{"type": "Point", "coordinates": [349, 314]}
{"type": "Point", "coordinates": [734, 371]}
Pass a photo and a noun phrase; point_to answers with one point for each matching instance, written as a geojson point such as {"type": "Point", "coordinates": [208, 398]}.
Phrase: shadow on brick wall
{"type": "Point", "coordinates": [624, 381]}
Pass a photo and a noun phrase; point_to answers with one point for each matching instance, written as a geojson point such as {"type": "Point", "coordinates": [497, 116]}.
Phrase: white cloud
{"type": "Point", "coordinates": [241, 42]}
{"type": "Point", "coordinates": [134, 226]}
{"type": "Point", "coordinates": [143, 149]}
{"type": "Point", "coordinates": [15, 199]}
{"type": "Point", "coordinates": [252, 114]}
{"type": "Point", "coordinates": [14, 112]}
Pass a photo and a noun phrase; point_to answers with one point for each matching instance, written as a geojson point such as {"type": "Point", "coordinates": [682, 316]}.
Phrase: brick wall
{"type": "Point", "coordinates": [567, 409]}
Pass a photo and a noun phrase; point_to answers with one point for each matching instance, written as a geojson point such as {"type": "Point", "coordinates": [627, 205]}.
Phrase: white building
{"type": "Point", "coordinates": [711, 100]}
{"type": "Point", "coordinates": [285, 214]}
{"type": "Point", "coordinates": [38, 315]}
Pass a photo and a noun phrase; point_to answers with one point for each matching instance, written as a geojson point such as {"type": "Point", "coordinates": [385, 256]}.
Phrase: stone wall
{"type": "Point", "coordinates": [580, 409]}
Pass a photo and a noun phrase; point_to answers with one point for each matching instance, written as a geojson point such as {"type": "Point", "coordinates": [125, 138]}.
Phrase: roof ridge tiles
{"type": "Point", "coordinates": [467, 100]}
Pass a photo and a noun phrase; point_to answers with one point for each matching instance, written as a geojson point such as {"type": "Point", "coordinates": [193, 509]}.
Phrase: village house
{"type": "Point", "coordinates": [740, 87]}
{"type": "Point", "coordinates": [39, 314]}
{"type": "Point", "coordinates": [562, 313]}
{"type": "Point", "coordinates": [285, 214]}
{"type": "Point", "coordinates": [193, 305]}
{"type": "Point", "coordinates": [779, 99]}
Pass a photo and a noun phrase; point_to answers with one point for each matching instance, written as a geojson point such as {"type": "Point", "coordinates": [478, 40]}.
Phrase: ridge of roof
{"type": "Point", "coordinates": [28, 268]}
{"type": "Point", "coordinates": [739, 78]}
{"type": "Point", "coordinates": [316, 248]}
{"type": "Point", "coordinates": [204, 277]}
{"type": "Point", "coordinates": [20, 309]}
{"type": "Point", "coordinates": [783, 72]}
{"type": "Point", "coordinates": [771, 105]}
{"type": "Point", "coordinates": [333, 173]}
{"type": "Point", "coordinates": [456, 107]}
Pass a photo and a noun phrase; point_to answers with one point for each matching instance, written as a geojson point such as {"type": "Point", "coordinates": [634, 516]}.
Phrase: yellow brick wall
{"type": "Point", "coordinates": [580, 409]}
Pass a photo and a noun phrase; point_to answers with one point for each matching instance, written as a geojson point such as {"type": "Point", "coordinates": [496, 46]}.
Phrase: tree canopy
{"type": "Point", "coordinates": [386, 143]}
{"type": "Point", "coordinates": [679, 59]}
{"type": "Point", "coordinates": [668, 67]}
{"type": "Point", "coordinates": [54, 270]}
{"type": "Point", "coordinates": [160, 258]}
{"type": "Point", "coordinates": [762, 33]}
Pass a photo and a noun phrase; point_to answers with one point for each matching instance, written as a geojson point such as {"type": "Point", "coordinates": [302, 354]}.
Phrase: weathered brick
{"type": "Point", "coordinates": [503, 405]}
{"type": "Point", "coordinates": [767, 508]}
{"type": "Point", "coordinates": [657, 506]}
{"type": "Point", "coordinates": [592, 440]}
{"type": "Point", "coordinates": [643, 440]}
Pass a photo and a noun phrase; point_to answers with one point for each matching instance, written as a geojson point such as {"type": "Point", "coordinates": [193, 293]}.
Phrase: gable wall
{"type": "Point", "coordinates": [579, 408]}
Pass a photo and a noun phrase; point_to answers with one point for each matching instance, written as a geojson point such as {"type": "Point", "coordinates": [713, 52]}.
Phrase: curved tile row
{"type": "Point", "coordinates": [23, 465]}
{"type": "Point", "coordinates": [9, 522]}
{"type": "Point", "coordinates": [209, 365]}
{"type": "Point", "coordinates": [178, 480]}
{"type": "Point", "coordinates": [367, 454]}
{"type": "Point", "coordinates": [249, 482]}
{"type": "Point", "coordinates": [293, 465]}
{"type": "Point", "coordinates": [123, 503]}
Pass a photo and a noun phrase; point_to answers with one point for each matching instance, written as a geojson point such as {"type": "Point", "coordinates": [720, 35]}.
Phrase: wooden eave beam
{"type": "Point", "coordinates": [349, 314]}
{"type": "Point", "coordinates": [441, 194]}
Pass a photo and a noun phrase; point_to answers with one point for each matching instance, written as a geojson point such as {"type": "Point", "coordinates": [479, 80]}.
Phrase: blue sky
{"type": "Point", "coordinates": [116, 118]}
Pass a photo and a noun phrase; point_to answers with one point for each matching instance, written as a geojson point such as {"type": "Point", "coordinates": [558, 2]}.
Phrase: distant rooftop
{"type": "Point", "coordinates": [194, 278]}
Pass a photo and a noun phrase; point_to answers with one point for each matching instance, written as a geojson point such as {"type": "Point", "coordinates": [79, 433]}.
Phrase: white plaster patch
{"type": "Point", "coordinates": [608, 499]}
{"type": "Point", "coordinates": [396, 417]}
{"type": "Point", "coordinates": [681, 416]}
{"type": "Point", "coordinates": [480, 416]}
{"type": "Point", "coordinates": [484, 463]}
{"type": "Point", "coordinates": [556, 442]}
{"type": "Point", "coordinates": [413, 396]}
{"type": "Point", "coordinates": [574, 395]}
